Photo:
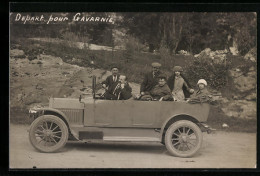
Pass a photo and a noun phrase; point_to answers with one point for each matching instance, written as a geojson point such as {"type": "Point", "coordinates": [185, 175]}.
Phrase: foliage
{"type": "Point", "coordinates": [193, 32]}
{"type": "Point", "coordinates": [203, 68]}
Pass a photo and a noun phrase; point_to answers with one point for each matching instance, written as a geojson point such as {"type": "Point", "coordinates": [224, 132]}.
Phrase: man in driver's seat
{"type": "Point", "coordinates": [119, 91]}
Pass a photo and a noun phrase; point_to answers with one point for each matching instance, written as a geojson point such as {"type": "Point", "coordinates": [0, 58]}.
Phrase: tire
{"type": "Point", "coordinates": [48, 133]}
{"type": "Point", "coordinates": [183, 138]}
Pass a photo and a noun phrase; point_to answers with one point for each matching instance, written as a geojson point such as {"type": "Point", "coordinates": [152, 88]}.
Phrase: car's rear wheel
{"type": "Point", "coordinates": [183, 138]}
{"type": "Point", "coordinates": [48, 133]}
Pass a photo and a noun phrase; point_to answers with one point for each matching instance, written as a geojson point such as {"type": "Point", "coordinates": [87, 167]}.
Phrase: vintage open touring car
{"type": "Point", "coordinates": [178, 125]}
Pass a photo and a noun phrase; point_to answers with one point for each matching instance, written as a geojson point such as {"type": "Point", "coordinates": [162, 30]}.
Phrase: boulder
{"type": "Point", "coordinates": [240, 109]}
{"type": "Point", "coordinates": [251, 55]}
{"type": "Point", "coordinates": [218, 56]}
{"type": "Point", "coordinates": [244, 82]}
{"type": "Point", "coordinates": [17, 53]}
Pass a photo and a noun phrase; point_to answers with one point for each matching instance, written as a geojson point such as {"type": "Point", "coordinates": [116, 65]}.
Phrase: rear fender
{"type": "Point", "coordinates": [61, 115]}
{"type": "Point", "coordinates": [176, 118]}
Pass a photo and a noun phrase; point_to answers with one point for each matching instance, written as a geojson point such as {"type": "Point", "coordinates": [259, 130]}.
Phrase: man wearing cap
{"type": "Point", "coordinates": [179, 85]}
{"type": "Point", "coordinates": [111, 82]}
{"type": "Point", "coordinates": [151, 79]}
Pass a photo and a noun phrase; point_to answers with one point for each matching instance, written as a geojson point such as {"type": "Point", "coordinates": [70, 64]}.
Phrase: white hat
{"type": "Point", "coordinates": [202, 81]}
{"type": "Point", "coordinates": [156, 64]}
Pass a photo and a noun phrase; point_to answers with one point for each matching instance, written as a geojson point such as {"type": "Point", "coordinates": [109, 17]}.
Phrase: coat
{"type": "Point", "coordinates": [161, 91]}
{"type": "Point", "coordinates": [116, 92]}
{"type": "Point", "coordinates": [200, 96]}
{"type": "Point", "coordinates": [149, 82]}
{"type": "Point", "coordinates": [170, 83]}
{"type": "Point", "coordinates": [109, 81]}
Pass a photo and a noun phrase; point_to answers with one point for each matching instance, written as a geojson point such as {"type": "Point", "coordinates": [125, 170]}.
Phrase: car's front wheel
{"type": "Point", "coordinates": [48, 133]}
{"type": "Point", "coordinates": [183, 138]}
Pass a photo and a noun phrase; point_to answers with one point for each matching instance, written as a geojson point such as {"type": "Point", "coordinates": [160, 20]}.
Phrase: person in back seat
{"type": "Point", "coordinates": [160, 92]}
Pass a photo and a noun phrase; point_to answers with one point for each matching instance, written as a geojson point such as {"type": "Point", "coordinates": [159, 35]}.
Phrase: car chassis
{"type": "Point", "coordinates": [178, 125]}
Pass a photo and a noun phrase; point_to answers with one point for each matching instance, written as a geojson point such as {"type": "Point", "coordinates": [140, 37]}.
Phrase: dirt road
{"type": "Point", "coordinates": [219, 150]}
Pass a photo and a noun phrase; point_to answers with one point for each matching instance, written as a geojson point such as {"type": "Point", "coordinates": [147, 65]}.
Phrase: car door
{"type": "Point", "coordinates": [146, 113]}
{"type": "Point", "coordinates": [110, 113]}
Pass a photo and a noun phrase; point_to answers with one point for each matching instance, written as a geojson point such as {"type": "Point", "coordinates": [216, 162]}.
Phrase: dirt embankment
{"type": "Point", "coordinates": [33, 82]}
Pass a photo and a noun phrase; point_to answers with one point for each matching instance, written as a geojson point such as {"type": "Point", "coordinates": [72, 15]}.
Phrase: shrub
{"type": "Point", "coordinates": [165, 55]}
{"type": "Point", "coordinates": [203, 68]}
{"type": "Point", "coordinates": [132, 46]}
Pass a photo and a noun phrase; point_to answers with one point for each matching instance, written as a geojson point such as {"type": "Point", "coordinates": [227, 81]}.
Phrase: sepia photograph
{"type": "Point", "coordinates": [91, 90]}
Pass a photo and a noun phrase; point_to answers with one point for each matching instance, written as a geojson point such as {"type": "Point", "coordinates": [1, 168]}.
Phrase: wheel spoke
{"type": "Point", "coordinates": [54, 140]}
{"type": "Point", "coordinates": [191, 143]}
{"type": "Point", "coordinates": [41, 140]}
{"type": "Point", "coordinates": [46, 125]}
{"type": "Point", "coordinates": [179, 131]}
{"type": "Point", "coordinates": [42, 127]}
{"type": "Point", "coordinates": [57, 132]}
{"type": "Point", "coordinates": [40, 135]}
{"type": "Point", "coordinates": [176, 134]}
{"type": "Point", "coordinates": [176, 143]}
{"type": "Point", "coordinates": [175, 139]}
{"type": "Point", "coordinates": [188, 131]}
{"type": "Point", "coordinates": [191, 135]}
{"type": "Point", "coordinates": [51, 125]}
{"type": "Point", "coordinates": [187, 146]}
{"type": "Point", "coordinates": [179, 147]}
{"type": "Point", "coordinates": [183, 129]}
{"type": "Point", "coordinates": [55, 128]}
{"type": "Point", "coordinates": [56, 136]}
{"type": "Point", "coordinates": [38, 131]}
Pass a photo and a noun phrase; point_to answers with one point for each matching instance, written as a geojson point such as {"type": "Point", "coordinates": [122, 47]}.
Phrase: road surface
{"type": "Point", "coordinates": [219, 150]}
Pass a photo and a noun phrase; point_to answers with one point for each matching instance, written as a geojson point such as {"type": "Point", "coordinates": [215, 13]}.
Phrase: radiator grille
{"type": "Point", "coordinates": [75, 116]}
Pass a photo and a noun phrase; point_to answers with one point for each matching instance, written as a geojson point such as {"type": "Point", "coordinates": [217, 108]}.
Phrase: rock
{"type": "Point", "coordinates": [235, 97]}
{"type": "Point", "coordinates": [251, 97]}
{"type": "Point", "coordinates": [251, 55]}
{"type": "Point", "coordinates": [244, 82]}
{"type": "Point", "coordinates": [218, 56]}
{"type": "Point", "coordinates": [17, 53]}
{"type": "Point", "coordinates": [224, 125]}
{"type": "Point", "coordinates": [240, 109]}
{"type": "Point", "coordinates": [234, 51]}
{"type": "Point", "coordinates": [183, 52]}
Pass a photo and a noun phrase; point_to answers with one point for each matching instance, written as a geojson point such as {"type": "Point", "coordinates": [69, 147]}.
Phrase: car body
{"type": "Point", "coordinates": [178, 125]}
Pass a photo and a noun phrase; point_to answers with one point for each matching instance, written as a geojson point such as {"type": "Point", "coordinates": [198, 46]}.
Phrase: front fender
{"type": "Point", "coordinates": [58, 113]}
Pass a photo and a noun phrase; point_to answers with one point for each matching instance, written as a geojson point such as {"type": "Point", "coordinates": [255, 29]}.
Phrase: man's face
{"type": "Point", "coordinates": [201, 86]}
{"type": "Point", "coordinates": [114, 71]}
{"type": "Point", "coordinates": [156, 69]}
{"type": "Point", "coordinates": [161, 82]}
{"type": "Point", "coordinates": [122, 79]}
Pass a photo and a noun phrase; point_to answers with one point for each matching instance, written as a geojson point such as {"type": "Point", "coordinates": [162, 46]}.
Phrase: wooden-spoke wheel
{"type": "Point", "coordinates": [48, 133]}
{"type": "Point", "coordinates": [183, 138]}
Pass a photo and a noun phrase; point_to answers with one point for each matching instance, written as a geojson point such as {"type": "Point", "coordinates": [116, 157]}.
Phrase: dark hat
{"type": "Point", "coordinates": [114, 66]}
{"type": "Point", "coordinates": [162, 76]}
{"type": "Point", "coordinates": [177, 69]}
{"type": "Point", "coordinates": [156, 64]}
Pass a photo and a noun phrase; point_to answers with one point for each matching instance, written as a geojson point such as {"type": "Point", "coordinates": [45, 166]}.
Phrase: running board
{"type": "Point", "coordinates": [131, 139]}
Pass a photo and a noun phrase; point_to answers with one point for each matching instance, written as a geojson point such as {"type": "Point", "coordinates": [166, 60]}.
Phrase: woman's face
{"type": "Point", "coordinates": [177, 73]}
{"type": "Point", "coordinates": [201, 86]}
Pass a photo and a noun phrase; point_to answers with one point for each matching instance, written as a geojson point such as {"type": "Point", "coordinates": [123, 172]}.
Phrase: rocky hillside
{"type": "Point", "coordinates": [33, 82]}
